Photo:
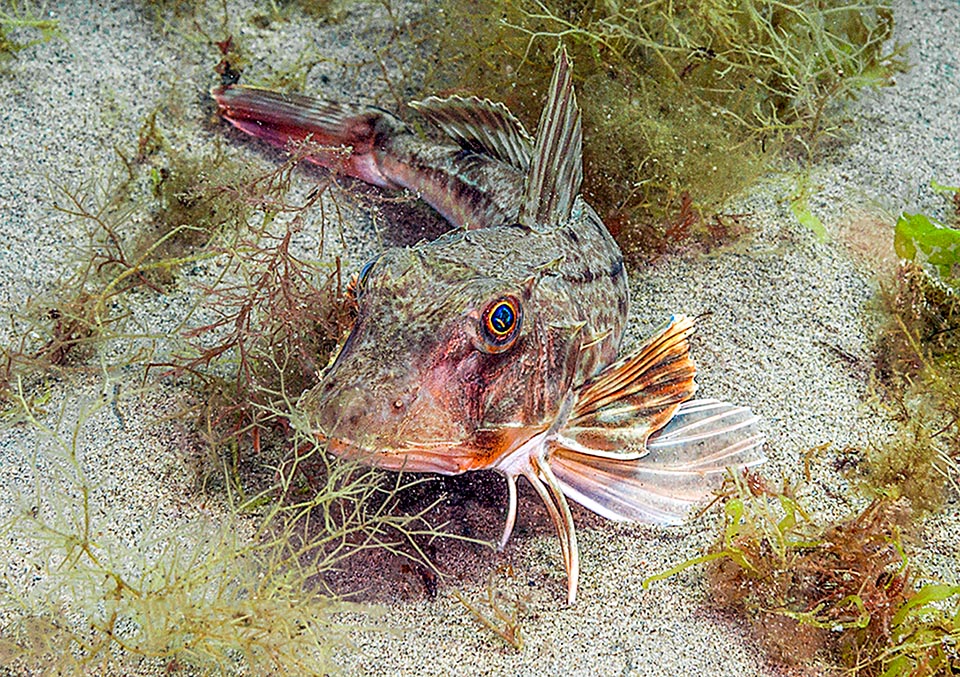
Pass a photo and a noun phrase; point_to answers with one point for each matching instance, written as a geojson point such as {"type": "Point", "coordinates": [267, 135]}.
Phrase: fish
{"type": "Point", "coordinates": [497, 345]}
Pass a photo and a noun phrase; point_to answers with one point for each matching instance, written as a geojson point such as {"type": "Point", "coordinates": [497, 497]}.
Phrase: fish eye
{"type": "Point", "coordinates": [500, 323]}
{"type": "Point", "coordinates": [359, 281]}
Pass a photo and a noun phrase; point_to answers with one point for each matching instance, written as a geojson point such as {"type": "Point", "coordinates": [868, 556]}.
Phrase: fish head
{"type": "Point", "coordinates": [445, 370]}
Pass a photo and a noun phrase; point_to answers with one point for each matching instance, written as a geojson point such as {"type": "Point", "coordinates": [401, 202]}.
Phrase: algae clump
{"type": "Point", "coordinates": [682, 102]}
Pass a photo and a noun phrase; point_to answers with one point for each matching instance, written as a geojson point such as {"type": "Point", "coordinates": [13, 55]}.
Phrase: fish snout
{"type": "Point", "coordinates": [358, 414]}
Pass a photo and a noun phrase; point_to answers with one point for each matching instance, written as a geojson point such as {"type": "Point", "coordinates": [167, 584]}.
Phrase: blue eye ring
{"type": "Point", "coordinates": [500, 322]}
{"type": "Point", "coordinates": [364, 274]}
{"type": "Point", "coordinates": [359, 281]}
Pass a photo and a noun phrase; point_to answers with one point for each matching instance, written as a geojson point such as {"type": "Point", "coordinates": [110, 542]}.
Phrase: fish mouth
{"type": "Point", "coordinates": [485, 450]}
{"type": "Point", "coordinates": [409, 428]}
{"type": "Point", "coordinates": [443, 457]}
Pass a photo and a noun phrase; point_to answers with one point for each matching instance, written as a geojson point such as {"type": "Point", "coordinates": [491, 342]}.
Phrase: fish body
{"type": "Point", "coordinates": [465, 183]}
{"type": "Point", "coordinates": [496, 345]}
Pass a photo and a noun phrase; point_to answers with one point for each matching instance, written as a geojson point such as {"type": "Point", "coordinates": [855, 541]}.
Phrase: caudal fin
{"type": "Point", "coordinates": [343, 136]}
{"type": "Point", "coordinates": [687, 459]}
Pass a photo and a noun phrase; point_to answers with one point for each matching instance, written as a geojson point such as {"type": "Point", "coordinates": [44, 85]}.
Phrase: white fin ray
{"type": "Point", "coordinates": [687, 460]}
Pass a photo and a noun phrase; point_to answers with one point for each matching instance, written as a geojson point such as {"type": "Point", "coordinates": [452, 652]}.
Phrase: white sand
{"type": "Point", "coordinates": [781, 304]}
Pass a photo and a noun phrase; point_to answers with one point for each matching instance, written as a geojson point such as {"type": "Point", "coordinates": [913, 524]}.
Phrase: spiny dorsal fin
{"type": "Point", "coordinates": [557, 166]}
{"type": "Point", "coordinates": [481, 126]}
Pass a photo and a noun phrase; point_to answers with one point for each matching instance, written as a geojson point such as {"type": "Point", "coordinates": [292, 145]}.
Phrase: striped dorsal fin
{"type": "Point", "coordinates": [481, 126]}
{"type": "Point", "coordinates": [556, 170]}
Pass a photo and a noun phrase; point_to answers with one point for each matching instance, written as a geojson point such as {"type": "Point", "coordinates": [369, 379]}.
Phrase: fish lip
{"type": "Point", "coordinates": [336, 444]}
{"type": "Point", "coordinates": [444, 458]}
{"type": "Point", "coordinates": [349, 450]}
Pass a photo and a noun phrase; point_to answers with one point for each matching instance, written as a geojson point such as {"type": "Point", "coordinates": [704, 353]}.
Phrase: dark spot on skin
{"type": "Point", "coordinates": [616, 268]}
{"type": "Point", "coordinates": [583, 277]}
{"type": "Point", "coordinates": [572, 234]}
{"type": "Point", "coordinates": [587, 276]}
{"type": "Point", "coordinates": [467, 155]}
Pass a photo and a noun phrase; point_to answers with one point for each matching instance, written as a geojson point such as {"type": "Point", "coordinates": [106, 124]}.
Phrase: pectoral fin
{"type": "Point", "coordinates": [624, 404]}
{"type": "Point", "coordinates": [686, 460]}
{"type": "Point", "coordinates": [636, 447]}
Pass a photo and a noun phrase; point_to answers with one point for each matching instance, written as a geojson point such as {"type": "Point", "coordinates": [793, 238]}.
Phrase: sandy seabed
{"type": "Point", "coordinates": [782, 309]}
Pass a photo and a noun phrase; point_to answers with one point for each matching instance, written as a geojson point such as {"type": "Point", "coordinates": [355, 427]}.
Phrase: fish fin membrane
{"type": "Point", "coordinates": [343, 136]}
{"type": "Point", "coordinates": [480, 126]}
{"type": "Point", "coordinates": [619, 408]}
{"type": "Point", "coordinates": [556, 170]}
{"type": "Point", "coordinates": [686, 460]}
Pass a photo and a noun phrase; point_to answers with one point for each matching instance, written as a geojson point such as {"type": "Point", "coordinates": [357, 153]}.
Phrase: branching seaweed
{"type": "Point", "coordinates": [918, 365]}
{"type": "Point", "coordinates": [504, 624]}
{"type": "Point", "coordinates": [89, 310]}
{"type": "Point", "coordinates": [844, 588]}
{"type": "Point", "coordinates": [808, 586]}
{"type": "Point", "coordinates": [213, 596]}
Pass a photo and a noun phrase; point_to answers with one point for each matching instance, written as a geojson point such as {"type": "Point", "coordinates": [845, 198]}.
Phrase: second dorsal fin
{"type": "Point", "coordinates": [556, 169]}
{"type": "Point", "coordinates": [481, 126]}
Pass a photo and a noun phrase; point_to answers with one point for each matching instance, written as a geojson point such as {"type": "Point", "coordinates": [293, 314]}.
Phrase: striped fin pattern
{"type": "Point", "coordinates": [480, 126]}
{"type": "Point", "coordinates": [556, 172]}
{"type": "Point", "coordinates": [618, 409]}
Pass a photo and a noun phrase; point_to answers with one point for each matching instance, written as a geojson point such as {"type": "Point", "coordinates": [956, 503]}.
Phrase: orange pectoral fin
{"type": "Point", "coordinates": [637, 447]}
{"type": "Point", "coordinates": [624, 404]}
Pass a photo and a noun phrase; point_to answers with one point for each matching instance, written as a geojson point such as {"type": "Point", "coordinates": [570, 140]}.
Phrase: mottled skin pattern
{"type": "Point", "coordinates": [495, 346]}
{"type": "Point", "coordinates": [468, 189]}
{"type": "Point", "coordinates": [414, 376]}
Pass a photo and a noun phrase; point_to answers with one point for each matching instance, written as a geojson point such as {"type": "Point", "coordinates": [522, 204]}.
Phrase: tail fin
{"type": "Point", "coordinates": [345, 135]}
{"type": "Point", "coordinates": [687, 460]}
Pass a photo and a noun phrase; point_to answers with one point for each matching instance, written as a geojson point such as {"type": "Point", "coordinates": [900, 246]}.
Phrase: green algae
{"type": "Point", "coordinates": [918, 237]}
{"type": "Point", "coordinates": [681, 101]}
{"type": "Point", "coordinates": [842, 590]}
{"type": "Point", "coordinates": [235, 595]}
{"type": "Point", "coordinates": [22, 27]}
